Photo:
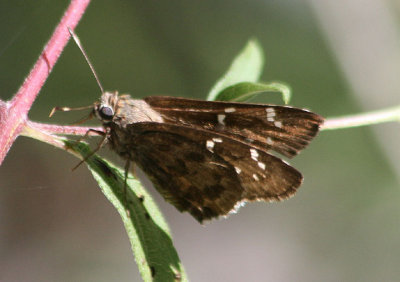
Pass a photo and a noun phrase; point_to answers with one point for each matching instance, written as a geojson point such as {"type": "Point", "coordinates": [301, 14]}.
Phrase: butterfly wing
{"type": "Point", "coordinates": [206, 173]}
{"type": "Point", "coordinates": [284, 129]}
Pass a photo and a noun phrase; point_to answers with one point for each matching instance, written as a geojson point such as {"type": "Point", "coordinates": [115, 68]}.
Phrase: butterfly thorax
{"type": "Point", "coordinates": [124, 110]}
{"type": "Point", "coordinates": [117, 113]}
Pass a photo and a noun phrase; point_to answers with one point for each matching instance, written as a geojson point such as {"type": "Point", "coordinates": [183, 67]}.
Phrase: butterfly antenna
{"type": "Point", "coordinates": [78, 43]}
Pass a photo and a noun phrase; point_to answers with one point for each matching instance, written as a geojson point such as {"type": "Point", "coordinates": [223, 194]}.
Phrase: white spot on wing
{"type": "Point", "coordinates": [278, 124]}
{"type": "Point", "coordinates": [269, 141]}
{"type": "Point", "coordinates": [210, 145]}
{"type": "Point", "coordinates": [238, 170]}
{"type": "Point", "coordinates": [230, 110]}
{"type": "Point", "coordinates": [270, 114]}
{"type": "Point", "coordinates": [217, 140]}
{"type": "Point", "coordinates": [254, 154]}
{"type": "Point", "coordinates": [221, 119]}
{"type": "Point", "coordinates": [261, 165]}
{"type": "Point", "coordinates": [256, 177]}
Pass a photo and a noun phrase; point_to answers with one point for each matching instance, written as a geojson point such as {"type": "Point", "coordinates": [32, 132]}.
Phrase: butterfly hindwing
{"type": "Point", "coordinates": [206, 173]}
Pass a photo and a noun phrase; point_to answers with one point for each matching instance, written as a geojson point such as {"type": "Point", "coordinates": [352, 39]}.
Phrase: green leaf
{"type": "Point", "coordinates": [147, 230]}
{"type": "Point", "coordinates": [247, 66]}
{"type": "Point", "coordinates": [243, 91]}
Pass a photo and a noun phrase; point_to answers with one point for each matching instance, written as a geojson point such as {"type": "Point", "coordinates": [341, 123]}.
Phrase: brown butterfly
{"type": "Point", "coordinates": [204, 157]}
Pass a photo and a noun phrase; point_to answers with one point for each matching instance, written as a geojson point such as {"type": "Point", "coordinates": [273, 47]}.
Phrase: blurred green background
{"type": "Point", "coordinates": [338, 57]}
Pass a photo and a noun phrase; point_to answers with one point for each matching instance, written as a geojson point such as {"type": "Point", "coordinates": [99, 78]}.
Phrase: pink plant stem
{"type": "Point", "coordinates": [64, 130]}
{"type": "Point", "coordinates": [13, 114]}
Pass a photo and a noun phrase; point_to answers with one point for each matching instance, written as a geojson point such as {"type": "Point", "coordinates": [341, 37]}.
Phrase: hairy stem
{"type": "Point", "coordinates": [63, 129]}
{"type": "Point", "coordinates": [13, 114]}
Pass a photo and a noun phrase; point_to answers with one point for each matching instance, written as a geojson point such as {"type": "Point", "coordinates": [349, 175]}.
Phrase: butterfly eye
{"type": "Point", "coordinates": [106, 113]}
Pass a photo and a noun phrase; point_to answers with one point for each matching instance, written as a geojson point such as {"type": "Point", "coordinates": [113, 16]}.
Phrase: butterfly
{"type": "Point", "coordinates": [207, 158]}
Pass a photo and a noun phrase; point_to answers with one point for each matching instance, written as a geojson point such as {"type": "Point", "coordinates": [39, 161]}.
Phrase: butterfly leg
{"type": "Point", "coordinates": [98, 132]}
{"type": "Point", "coordinates": [84, 119]}
{"type": "Point", "coordinates": [127, 165]}
{"type": "Point", "coordinates": [103, 140]}
{"type": "Point", "coordinates": [68, 109]}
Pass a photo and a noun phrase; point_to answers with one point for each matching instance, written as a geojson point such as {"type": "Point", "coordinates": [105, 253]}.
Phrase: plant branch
{"type": "Point", "coordinates": [43, 136]}
{"type": "Point", "coordinates": [35, 130]}
{"type": "Point", "coordinates": [13, 114]}
{"type": "Point", "coordinates": [64, 130]}
{"type": "Point", "coordinates": [369, 118]}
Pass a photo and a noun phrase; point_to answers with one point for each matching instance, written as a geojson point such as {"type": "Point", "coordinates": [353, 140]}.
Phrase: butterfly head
{"type": "Point", "coordinates": [107, 107]}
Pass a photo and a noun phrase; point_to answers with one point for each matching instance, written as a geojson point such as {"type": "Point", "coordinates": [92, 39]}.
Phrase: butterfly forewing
{"type": "Point", "coordinates": [206, 173]}
{"type": "Point", "coordinates": [283, 129]}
